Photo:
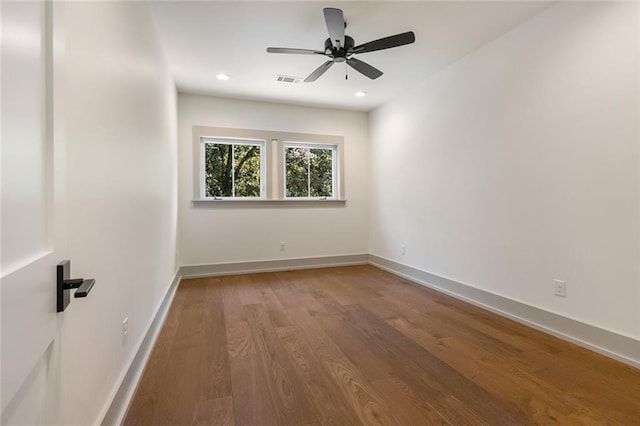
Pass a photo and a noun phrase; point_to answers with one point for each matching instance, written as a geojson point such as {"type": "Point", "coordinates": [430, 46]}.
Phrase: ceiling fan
{"type": "Point", "coordinates": [341, 48]}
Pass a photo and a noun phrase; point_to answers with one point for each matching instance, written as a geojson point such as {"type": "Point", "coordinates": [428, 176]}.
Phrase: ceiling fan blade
{"type": "Point", "coordinates": [335, 25]}
{"type": "Point", "coordinates": [294, 51]}
{"type": "Point", "coordinates": [386, 43]}
{"type": "Point", "coordinates": [318, 72]}
{"type": "Point", "coordinates": [364, 68]}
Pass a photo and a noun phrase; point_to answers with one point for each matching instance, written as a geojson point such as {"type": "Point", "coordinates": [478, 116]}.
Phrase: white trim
{"type": "Point", "coordinates": [608, 343]}
{"type": "Point", "coordinates": [254, 202]}
{"type": "Point", "coordinates": [232, 268]}
{"type": "Point", "coordinates": [228, 140]}
{"type": "Point", "coordinates": [114, 411]}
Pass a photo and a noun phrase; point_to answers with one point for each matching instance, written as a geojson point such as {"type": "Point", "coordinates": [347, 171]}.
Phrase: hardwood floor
{"type": "Point", "coordinates": [357, 345]}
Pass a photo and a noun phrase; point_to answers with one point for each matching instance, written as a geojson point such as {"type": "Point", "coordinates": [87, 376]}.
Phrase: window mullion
{"type": "Point", "coordinates": [233, 171]}
{"type": "Point", "coordinates": [309, 174]}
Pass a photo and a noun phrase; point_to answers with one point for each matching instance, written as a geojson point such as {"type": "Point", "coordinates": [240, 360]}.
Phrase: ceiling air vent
{"type": "Point", "coordinates": [288, 79]}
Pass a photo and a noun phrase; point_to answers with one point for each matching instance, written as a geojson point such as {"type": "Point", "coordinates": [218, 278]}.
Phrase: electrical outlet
{"type": "Point", "coordinates": [403, 249]}
{"type": "Point", "coordinates": [125, 326]}
{"type": "Point", "coordinates": [559, 288]}
{"type": "Point", "coordinates": [282, 246]}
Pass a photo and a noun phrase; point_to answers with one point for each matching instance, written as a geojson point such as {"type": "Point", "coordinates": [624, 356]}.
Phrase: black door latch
{"type": "Point", "coordinates": [64, 285]}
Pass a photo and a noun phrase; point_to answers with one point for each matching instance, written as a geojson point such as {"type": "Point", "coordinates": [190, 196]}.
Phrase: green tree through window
{"type": "Point", "coordinates": [232, 170]}
{"type": "Point", "coordinates": [309, 172]}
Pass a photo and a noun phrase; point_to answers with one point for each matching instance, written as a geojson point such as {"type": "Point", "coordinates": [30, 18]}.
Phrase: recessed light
{"type": "Point", "coordinates": [360, 94]}
{"type": "Point", "coordinates": [222, 76]}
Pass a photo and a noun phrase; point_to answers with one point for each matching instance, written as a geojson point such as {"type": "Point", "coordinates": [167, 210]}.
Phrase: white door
{"type": "Point", "coordinates": [32, 210]}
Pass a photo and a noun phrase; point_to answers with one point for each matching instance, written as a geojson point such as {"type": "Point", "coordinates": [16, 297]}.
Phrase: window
{"type": "Point", "coordinates": [232, 168]}
{"type": "Point", "coordinates": [309, 170]}
{"type": "Point", "coordinates": [250, 168]}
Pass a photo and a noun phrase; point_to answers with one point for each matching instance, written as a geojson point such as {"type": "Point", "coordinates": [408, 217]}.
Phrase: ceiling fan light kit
{"type": "Point", "coordinates": [341, 48]}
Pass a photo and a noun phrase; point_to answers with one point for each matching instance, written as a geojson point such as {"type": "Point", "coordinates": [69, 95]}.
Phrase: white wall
{"type": "Point", "coordinates": [520, 164]}
{"type": "Point", "coordinates": [221, 235]}
{"type": "Point", "coordinates": [122, 192]}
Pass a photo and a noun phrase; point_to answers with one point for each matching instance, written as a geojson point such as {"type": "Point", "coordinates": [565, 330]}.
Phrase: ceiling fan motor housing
{"type": "Point", "coordinates": [340, 55]}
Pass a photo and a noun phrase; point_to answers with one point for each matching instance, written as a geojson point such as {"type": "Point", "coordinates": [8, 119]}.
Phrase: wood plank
{"type": "Point", "coordinates": [214, 379]}
{"type": "Point", "coordinates": [359, 393]}
{"type": "Point", "coordinates": [408, 407]}
{"type": "Point", "coordinates": [275, 310]}
{"type": "Point", "coordinates": [215, 412]}
{"type": "Point", "coordinates": [411, 360]}
{"type": "Point", "coordinates": [356, 348]}
{"type": "Point", "coordinates": [321, 344]}
{"type": "Point", "coordinates": [378, 364]}
{"type": "Point", "coordinates": [335, 410]}
{"type": "Point", "coordinates": [292, 402]}
{"type": "Point", "coordinates": [180, 378]}
{"type": "Point", "coordinates": [176, 404]}
{"type": "Point", "coordinates": [251, 399]}
{"type": "Point", "coordinates": [511, 384]}
{"type": "Point", "coordinates": [239, 342]}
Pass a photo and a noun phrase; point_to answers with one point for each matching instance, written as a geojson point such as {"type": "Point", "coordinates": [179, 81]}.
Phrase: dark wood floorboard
{"type": "Point", "coordinates": [359, 346]}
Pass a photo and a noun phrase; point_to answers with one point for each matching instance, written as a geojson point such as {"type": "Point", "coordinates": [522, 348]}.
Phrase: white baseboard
{"type": "Point", "coordinates": [605, 342]}
{"type": "Point", "coordinates": [117, 408]}
{"type": "Point", "coordinates": [192, 271]}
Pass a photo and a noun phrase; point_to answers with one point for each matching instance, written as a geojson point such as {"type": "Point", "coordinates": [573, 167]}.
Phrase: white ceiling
{"type": "Point", "coordinates": [203, 38]}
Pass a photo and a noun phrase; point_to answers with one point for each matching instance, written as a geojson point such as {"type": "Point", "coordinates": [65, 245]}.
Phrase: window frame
{"type": "Point", "coordinates": [310, 145]}
{"type": "Point", "coordinates": [272, 180]}
{"type": "Point", "coordinates": [204, 140]}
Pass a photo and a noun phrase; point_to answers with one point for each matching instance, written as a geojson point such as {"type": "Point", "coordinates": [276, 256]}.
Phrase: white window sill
{"type": "Point", "coordinates": [289, 202]}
